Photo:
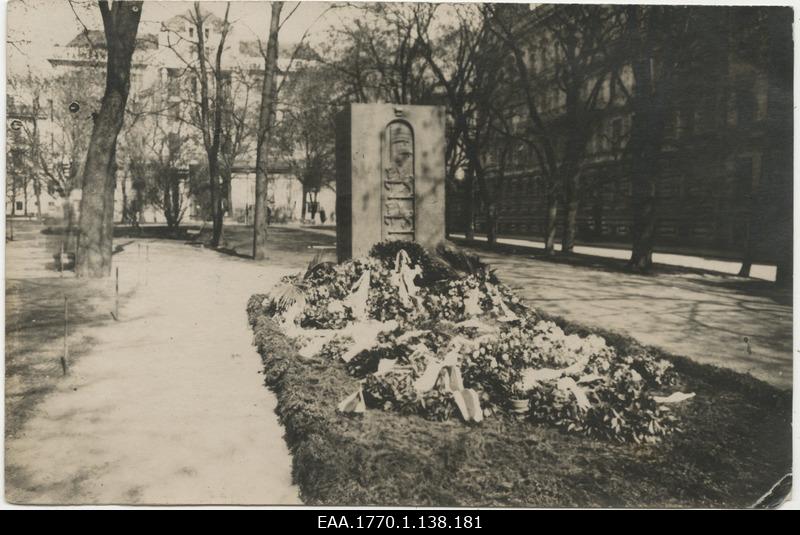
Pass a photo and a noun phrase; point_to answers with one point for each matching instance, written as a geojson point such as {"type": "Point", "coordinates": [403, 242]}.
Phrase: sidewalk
{"type": "Point", "coordinates": [704, 316]}
{"type": "Point", "coordinates": [168, 406]}
{"type": "Point", "coordinates": [758, 271]}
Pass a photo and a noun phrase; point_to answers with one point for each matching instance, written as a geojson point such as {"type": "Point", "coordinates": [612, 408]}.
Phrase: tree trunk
{"type": "Point", "coordinates": [469, 206]}
{"type": "Point", "coordinates": [66, 208]}
{"type": "Point", "coordinates": [780, 132]}
{"type": "Point", "coordinates": [216, 200]}
{"type": "Point", "coordinates": [647, 131]}
{"type": "Point", "coordinates": [125, 217]}
{"type": "Point", "coordinates": [643, 222]}
{"type": "Point", "coordinates": [268, 90]}
{"type": "Point", "coordinates": [138, 192]}
{"type": "Point", "coordinates": [551, 216]}
{"type": "Point", "coordinates": [784, 274]}
{"type": "Point", "coordinates": [747, 265]}
{"type": "Point", "coordinates": [13, 196]}
{"type": "Point", "coordinates": [108, 213]}
{"type": "Point", "coordinates": [211, 119]}
{"type": "Point", "coordinates": [747, 250]}
{"type": "Point", "coordinates": [37, 191]}
{"type": "Point", "coordinates": [645, 169]}
{"type": "Point", "coordinates": [175, 201]}
{"type": "Point", "coordinates": [491, 223]}
{"type": "Point", "coordinates": [121, 23]}
{"type": "Point", "coordinates": [571, 185]}
{"type": "Point", "coordinates": [37, 183]}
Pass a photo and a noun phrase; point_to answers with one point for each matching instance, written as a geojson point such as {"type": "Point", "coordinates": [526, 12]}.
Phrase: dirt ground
{"type": "Point", "coordinates": [165, 406]}
{"type": "Point", "coordinates": [34, 326]}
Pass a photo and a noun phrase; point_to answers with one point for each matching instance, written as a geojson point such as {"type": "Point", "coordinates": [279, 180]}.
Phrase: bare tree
{"type": "Point", "coordinates": [669, 48]}
{"type": "Point", "coordinates": [154, 163]}
{"type": "Point", "coordinates": [304, 137]}
{"type": "Point", "coordinates": [120, 23]}
{"type": "Point", "coordinates": [265, 123]}
{"type": "Point", "coordinates": [239, 127]}
{"type": "Point", "coordinates": [781, 130]}
{"type": "Point", "coordinates": [467, 61]}
{"type": "Point", "coordinates": [56, 160]}
{"type": "Point", "coordinates": [378, 56]}
{"type": "Point", "coordinates": [575, 34]}
{"type": "Point", "coordinates": [211, 116]}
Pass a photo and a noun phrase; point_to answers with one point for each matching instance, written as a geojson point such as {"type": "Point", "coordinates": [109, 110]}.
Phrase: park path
{"type": "Point", "coordinates": [168, 406]}
{"type": "Point", "coordinates": [727, 321]}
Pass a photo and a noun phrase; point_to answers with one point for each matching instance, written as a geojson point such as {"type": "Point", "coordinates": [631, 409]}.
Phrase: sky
{"type": "Point", "coordinates": [35, 26]}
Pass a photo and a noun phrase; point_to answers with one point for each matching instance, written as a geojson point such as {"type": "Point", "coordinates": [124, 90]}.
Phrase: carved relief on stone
{"type": "Point", "coordinates": [398, 182]}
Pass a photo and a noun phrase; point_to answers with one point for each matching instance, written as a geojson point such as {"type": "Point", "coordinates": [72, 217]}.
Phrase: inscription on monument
{"type": "Point", "coordinates": [398, 182]}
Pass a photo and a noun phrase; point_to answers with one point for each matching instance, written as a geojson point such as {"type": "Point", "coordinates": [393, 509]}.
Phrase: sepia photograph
{"type": "Point", "coordinates": [460, 256]}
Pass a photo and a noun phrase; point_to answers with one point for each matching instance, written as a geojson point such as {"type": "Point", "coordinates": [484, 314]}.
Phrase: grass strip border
{"type": "Point", "coordinates": [736, 445]}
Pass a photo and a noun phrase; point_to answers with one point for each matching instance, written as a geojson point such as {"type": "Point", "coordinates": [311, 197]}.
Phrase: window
{"type": "Point", "coordinates": [207, 33]}
{"type": "Point", "coordinates": [705, 114]}
{"type": "Point", "coordinates": [668, 188]}
{"type": "Point", "coordinates": [667, 229]}
{"type": "Point", "coordinates": [172, 86]}
{"type": "Point", "coordinates": [616, 132]}
{"type": "Point", "coordinates": [687, 122]}
{"type": "Point", "coordinates": [191, 32]}
{"type": "Point", "coordinates": [745, 107]}
{"type": "Point", "coordinates": [19, 205]}
{"type": "Point", "coordinates": [743, 186]}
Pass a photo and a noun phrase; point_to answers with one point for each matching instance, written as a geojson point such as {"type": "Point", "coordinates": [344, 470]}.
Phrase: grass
{"type": "Point", "coordinates": [734, 444]}
{"type": "Point", "coordinates": [286, 246]}
{"type": "Point", "coordinates": [35, 321]}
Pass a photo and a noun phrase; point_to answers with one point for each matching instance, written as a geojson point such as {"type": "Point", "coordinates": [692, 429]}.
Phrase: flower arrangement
{"type": "Point", "coordinates": [461, 316]}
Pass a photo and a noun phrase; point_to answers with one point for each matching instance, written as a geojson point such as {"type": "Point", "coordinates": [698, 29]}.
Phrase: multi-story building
{"type": "Point", "coordinates": [164, 82]}
{"type": "Point", "coordinates": [724, 154]}
{"type": "Point", "coordinates": [25, 195]}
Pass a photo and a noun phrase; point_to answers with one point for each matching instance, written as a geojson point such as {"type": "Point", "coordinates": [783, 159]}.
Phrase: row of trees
{"type": "Point", "coordinates": [162, 126]}
{"type": "Point", "coordinates": [474, 59]}
{"type": "Point", "coordinates": [209, 100]}
{"type": "Point", "coordinates": [158, 129]}
{"type": "Point", "coordinates": [513, 79]}
{"type": "Point", "coordinates": [496, 66]}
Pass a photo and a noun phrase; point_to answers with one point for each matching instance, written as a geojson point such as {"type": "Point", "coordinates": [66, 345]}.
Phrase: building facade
{"type": "Point", "coordinates": [723, 157]}
{"type": "Point", "coordinates": [162, 107]}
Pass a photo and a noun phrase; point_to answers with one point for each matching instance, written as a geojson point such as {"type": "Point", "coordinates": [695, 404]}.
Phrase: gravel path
{"type": "Point", "coordinates": [168, 406]}
{"type": "Point", "coordinates": [727, 321]}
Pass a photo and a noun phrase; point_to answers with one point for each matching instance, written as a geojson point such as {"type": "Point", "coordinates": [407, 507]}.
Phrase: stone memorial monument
{"type": "Point", "coordinates": [390, 181]}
